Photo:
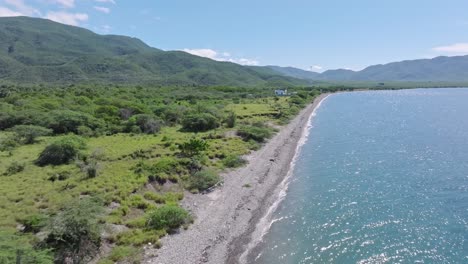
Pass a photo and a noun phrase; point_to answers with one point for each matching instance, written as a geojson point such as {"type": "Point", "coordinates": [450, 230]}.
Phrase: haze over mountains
{"type": "Point", "coordinates": [34, 50]}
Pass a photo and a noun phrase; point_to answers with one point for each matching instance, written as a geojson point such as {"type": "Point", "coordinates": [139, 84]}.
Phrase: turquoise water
{"type": "Point", "coordinates": [383, 178]}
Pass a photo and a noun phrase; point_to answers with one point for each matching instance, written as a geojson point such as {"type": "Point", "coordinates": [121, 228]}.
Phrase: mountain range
{"type": "Point", "coordinates": [439, 69]}
{"type": "Point", "coordinates": [39, 51]}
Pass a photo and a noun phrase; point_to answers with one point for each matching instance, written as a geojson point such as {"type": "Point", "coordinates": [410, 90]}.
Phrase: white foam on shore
{"type": "Point", "coordinates": [265, 223]}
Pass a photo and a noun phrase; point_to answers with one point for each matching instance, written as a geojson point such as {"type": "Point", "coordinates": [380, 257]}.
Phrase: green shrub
{"type": "Point", "coordinates": [147, 124]}
{"type": "Point", "coordinates": [28, 134]}
{"type": "Point", "coordinates": [156, 197]}
{"type": "Point", "coordinates": [139, 237]}
{"type": "Point", "coordinates": [66, 121]}
{"type": "Point", "coordinates": [121, 253]}
{"type": "Point", "coordinates": [233, 161]}
{"type": "Point", "coordinates": [14, 168]}
{"type": "Point", "coordinates": [259, 134]}
{"type": "Point", "coordinates": [231, 120]}
{"type": "Point", "coordinates": [139, 222]}
{"type": "Point", "coordinates": [193, 147]}
{"type": "Point", "coordinates": [61, 151]}
{"type": "Point", "coordinates": [76, 232]}
{"type": "Point", "coordinates": [8, 144]}
{"type": "Point", "coordinates": [91, 168]}
{"type": "Point", "coordinates": [200, 122]}
{"type": "Point", "coordinates": [203, 180]}
{"type": "Point", "coordinates": [137, 201]}
{"type": "Point", "coordinates": [59, 176]}
{"type": "Point", "coordinates": [85, 131]}
{"type": "Point", "coordinates": [34, 223]}
{"type": "Point", "coordinates": [168, 217]}
{"type": "Point", "coordinates": [17, 249]}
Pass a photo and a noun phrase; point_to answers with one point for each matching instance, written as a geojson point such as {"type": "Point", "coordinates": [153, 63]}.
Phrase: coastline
{"type": "Point", "coordinates": [231, 220]}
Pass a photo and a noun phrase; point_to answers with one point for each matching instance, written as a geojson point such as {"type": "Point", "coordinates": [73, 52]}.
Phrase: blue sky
{"type": "Point", "coordinates": [308, 34]}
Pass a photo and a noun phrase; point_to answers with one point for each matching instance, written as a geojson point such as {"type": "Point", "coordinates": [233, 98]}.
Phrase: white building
{"type": "Point", "coordinates": [281, 92]}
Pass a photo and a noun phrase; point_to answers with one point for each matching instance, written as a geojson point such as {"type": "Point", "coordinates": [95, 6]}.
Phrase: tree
{"type": "Point", "coordinates": [61, 151]}
{"type": "Point", "coordinates": [66, 121]}
{"type": "Point", "coordinates": [75, 233]}
{"type": "Point", "coordinates": [193, 147]}
{"type": "Point", "coordinates": [200, 122]}
{"type": "Point", "coordinates": [28, 134]}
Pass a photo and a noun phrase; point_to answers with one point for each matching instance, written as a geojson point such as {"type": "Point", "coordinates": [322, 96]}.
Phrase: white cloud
{"type": "Point", "coordinates": [106, 1]}
{"type": "Point", "coordinates": [207, 53]}
{"type": "Point", "coordinates": [64, 3]}
{"type": "Point", "coordinates": [22, 8]}
{"type": "Point", "coordinates": [316, 68]}
{"type": "Point", "coordinates": [244, 61]}
{"type": "Point", "coordinates": [102, 9]}
{"type": "Point", "coordinates": [224, 56]}
{"type": "Point", "coordinates": [6, 12]}
{"type": "Point", "coordinates": [457, 48]}
{"type": "Point", "coordinates": [67, 18]}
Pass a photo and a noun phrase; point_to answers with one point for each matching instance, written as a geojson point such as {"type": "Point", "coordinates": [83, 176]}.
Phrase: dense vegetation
{"type": "Point", "coordinates": [34, 50]}
{"type": "Point", "coordinates": [121, 156]}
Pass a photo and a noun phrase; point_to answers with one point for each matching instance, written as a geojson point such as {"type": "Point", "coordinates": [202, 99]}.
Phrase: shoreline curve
{"type": "Point", "coordinates": [228, 218]}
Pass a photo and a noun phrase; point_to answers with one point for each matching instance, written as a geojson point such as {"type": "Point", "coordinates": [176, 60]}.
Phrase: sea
{"type": "Point", "coordinates": [381, 178]}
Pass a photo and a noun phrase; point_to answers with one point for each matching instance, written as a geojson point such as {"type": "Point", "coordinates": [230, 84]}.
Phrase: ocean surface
{"type": "Point", "coordinates": [382, 178]}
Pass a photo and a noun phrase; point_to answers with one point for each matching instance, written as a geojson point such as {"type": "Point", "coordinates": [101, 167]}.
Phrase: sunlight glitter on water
{"type": "Point", "coordinates": [382, 179]}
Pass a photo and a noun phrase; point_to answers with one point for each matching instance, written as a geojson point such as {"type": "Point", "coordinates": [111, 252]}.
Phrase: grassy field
{"type": "Point", "coordinates": [126, 163]}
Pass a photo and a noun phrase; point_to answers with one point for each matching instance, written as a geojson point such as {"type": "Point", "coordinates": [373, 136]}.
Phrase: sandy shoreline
{"type": "Point", "coordinates": [226, 220]}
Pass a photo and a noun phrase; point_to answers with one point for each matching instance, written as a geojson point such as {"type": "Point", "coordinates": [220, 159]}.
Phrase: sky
{"type": "Point", "coordinates": [309, 34]}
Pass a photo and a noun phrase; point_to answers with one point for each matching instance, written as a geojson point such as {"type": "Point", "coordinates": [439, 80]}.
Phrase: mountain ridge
{"type": "Point", "coordinates": [34, 50]}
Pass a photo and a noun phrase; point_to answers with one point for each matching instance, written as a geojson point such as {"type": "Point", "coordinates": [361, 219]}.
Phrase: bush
{"type": "Point", "coordinates": [90, 167]}
{"type": "Point", "coordinates": [231, 120]}
{"type": "Point", "coordinates": [34, 223]}
{"type": "Point", "coordinates": [18, 249]}
{"type": "Point", "coordinates": [8, 144]}
{"type": "Point", "coordinates": [146, 123]}
{"type": "Point", "coordinates": [66, 121]}
{"type": "Point", "coordinates": [172, 115]}
{"type": "Point", "coordinates": [203, 180]}
{"type": "Point", "coordinates": [259, 134]}
{"type": "Point", "coordinates": [28, 134]}
{"type": "Point", "coordinates": [233, 161]}
{"type": "Point", "coordinates": [61, 151]}
{"type": "Point", "coordinates": [139, 237]}
{"type": "Point", "coordinates": [193, 147]}
{"type": "Point", "coordinates": [137, 201]}
{"type": "Point", "coordinates": [59, 176]}
{"type": "Point", "coordinates": [199, 122]}
{"type": "Point", "coordinates": [75, 233]}
{"type": "Point", "coordinates": [168, 217]}
{"type": "Point", "coordinates": [15, 167]}
{"type": "Point", "coordinates": [121, 253]}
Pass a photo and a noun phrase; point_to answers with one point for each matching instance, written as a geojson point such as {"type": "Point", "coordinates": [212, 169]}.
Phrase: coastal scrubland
{"type": "Point", "coordinates": [100, 170]}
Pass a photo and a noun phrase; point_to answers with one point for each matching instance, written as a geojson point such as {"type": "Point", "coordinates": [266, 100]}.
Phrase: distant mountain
{"type": "Point", "coordinates": [337, 75]}
{"type": "Point", "coordinates": [440, 69]}
{"type": "Point", "coordinates": [295, 72]}
{"type": "Point", "coordinates": [34, 50]}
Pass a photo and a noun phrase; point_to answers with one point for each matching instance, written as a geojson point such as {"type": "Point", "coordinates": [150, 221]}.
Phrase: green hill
{"type": "Point", "coordinates": [34, 50]}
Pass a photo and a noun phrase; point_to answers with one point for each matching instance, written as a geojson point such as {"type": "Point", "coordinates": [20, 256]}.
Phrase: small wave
{"type": "Point", "coordinates": [265, 223]}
